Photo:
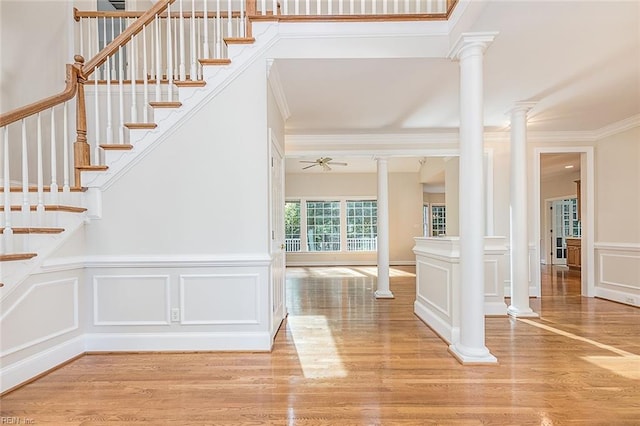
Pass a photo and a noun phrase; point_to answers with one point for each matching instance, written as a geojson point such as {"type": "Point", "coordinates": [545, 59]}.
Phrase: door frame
{"type": "Point", "coordinates": [587, 178]}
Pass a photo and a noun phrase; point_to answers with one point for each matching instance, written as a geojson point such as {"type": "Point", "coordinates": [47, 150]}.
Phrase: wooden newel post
{"type": "Point", "coordinates": [81, 149]}
{"type": "Point", "coordinates": [251, 11]}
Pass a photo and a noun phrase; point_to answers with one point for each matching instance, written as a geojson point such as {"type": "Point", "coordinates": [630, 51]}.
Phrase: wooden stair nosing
{"type": "Point", "coordinates": [239, 40]}
{"type": "Point", "coordinates": [92, 168]}
{"type": "Point", "coordinates": [190, 83]}
{"type": "Point", "coordinates": [50, 208]}
{"type": "Point", "coordinates": [165, 104]}
{"type": "Point", "coordinates": [45, 189]}
{"type": "Point", "coordinates": [215, 61]}
{"type": "Point", "coordinates": [116, 146]}
{"type": "Point", "coordinates": [16, 256]}
{"type": "Point", "coordinates": [144, 126]}
{"type": "Point", "coordinates": [34, 230]}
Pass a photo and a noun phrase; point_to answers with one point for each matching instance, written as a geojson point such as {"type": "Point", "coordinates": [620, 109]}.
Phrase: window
{"type": "Point", "coordinates": [292, 226]}
{"type": "Point", "coordinates": [438, 220]}
{"type": "Point", "coordinates": [362, 225]}
{"type": "Point", "coordinates": [323, 225]}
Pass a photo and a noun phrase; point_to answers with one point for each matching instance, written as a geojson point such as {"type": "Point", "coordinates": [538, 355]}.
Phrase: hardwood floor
{"type": "Point", "coordinates": [344, 358]}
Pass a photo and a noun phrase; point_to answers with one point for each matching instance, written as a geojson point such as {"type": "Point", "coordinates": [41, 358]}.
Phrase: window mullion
{"type": "Point", "coordinates": [343, 225]}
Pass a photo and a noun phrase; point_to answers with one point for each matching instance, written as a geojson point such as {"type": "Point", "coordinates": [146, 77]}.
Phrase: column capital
{"type": "Point", "coordinates": [523, 107]}
{"type": "Point", "coordinates": [466, 41]}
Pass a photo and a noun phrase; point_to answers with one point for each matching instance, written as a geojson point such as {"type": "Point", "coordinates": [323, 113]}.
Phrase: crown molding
{"type": "Point", "coordinates": [618, 127]}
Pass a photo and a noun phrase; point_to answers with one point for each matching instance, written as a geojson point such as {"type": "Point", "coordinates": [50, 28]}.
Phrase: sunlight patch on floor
{"type": "Point", "coordinates": [393, 272]}
{"type": "Point", "coordinates": [625, 364]}
{"type": "Point", "coordinates": [315, 346]}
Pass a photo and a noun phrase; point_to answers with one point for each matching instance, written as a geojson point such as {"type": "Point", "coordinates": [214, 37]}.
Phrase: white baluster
{"type": "Point", "coordinates": [26, 219]}
{"type": "Point", "coordinates": [263, 7]}
{"type": "Point", "coordinates": [340, 7]}
{"type": "Point", "coordinates": [318, 8]}
{"type": "Point", "coordinates": [199, 47]}
{"type": "Point", "coordinates": [8, 230]}
{"type": "Point", "coordinates": [192, 24]}
{"type": "Point", "coordinates": [65, 149]}
{"type": "Point", "coordinates": [329, 8]}
{"type": "Point", "coordinates": [362, 7]}
{"type": "Point", "coordinates": [229, 20]}
{"type": "Point", "coordinates": [241, 22]}
{"type": "Point", "coordinates": [96, 106]}
{"type": "Point", "coordinates": [384, 7]}
{"type": "Point", "coordinates": [145, 77]}
{"type": "Point", "coordinates": [182, 70]}
{"type": "Point", "coordinates": [109, 129]}
{"type": "Point", "coordinates": [406, 6]}
{"type": "Point", "coordinates": [296, 7]}
{"type": "Point", "coordinates": [307, 7]}
{"type": "Point", "coordinates": [158, 69]}
{"type": "Point", "coordinates": [104, 43]}
{"type": "Point", "coordinates": [53, 187]}
{"type": "Point", "coordinates": [218, 27]}
{"type": "Point", "coordinates": [374, 6]}
{"type": "Point", "coordinates": [352, 7]}
{"type": "Point", "coordinates": [169, 56]}
{"type": "Point", "coordinates": [205, 45]}
{"type": "Point", "coordinates": [81, 25]}
{"type": "Point", "coordinates": [113, 35]}
{"type": "Point", "coordinates": [39, 170]}
{"type": "Point", "coordinates": [285, 10]}
{"type": "Point", "coordinates": [417, 6]}
{"type": "Point", "coordinates": [121, 73]}
{"type": "Point", "coordinates": [274, 6]}
{"type": "Point", "coordinates": [134, 73]}
{"type": "Point", "coordinates": [395, 6]}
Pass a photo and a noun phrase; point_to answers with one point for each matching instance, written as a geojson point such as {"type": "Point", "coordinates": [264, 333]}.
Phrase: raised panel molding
{"type": "Point", "coordinates": [491, 276]}
{"type": "Point", "coordinates": [45, 311]}
{"type": "Point", "coordinates": [215, 299]}
{"type": "Point", "coordinates": [620, 270]}
{"type": "Point", "coordinates": [131, 300]}
{"type": "Point", "coordinates": [432, 299]}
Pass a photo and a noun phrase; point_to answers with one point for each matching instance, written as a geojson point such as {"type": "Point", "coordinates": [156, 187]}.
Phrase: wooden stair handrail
{"type": "Point", "coordinates": [124, 37]}
{"type": "Point", "coordinates": [73, 72]}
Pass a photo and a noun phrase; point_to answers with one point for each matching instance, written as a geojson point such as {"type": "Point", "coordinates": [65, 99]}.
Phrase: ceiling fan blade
{"type": "Point", "coordinates": [304, 161]}
{"type": "Point", "coordinates": [313, 165]}
{"type": "Point", "coordinates": [338, 164]}
{"type": "Point", "coordinates": [324, 159]}
{"type": "Point", "coordinates": [326, 167]}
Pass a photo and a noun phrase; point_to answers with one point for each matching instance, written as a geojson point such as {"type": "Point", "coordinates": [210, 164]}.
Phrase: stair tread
{"type": "Point", "coordinates": [140, 125]}
{"type": "Point", "coordinates": [95, 168]}
{"type": "Point", "coordinates": [34, 230]}
{"type": "Point", "coordinates": [16, 256]}
{"type": "Point", "coordinates": [212, 61]}
{"type": "Point", "coordinates": [165, 104]}
{"type": "Point", "coordinates": [116, 146]}
{"type": "Point", "coordinates": [239, 40]}
{"type": "Point", "coordinates": [50, 208]}
{"type": "Point", "coordinates": [190, 83]}
{"type": "Point", "coordinates": [45, 189]}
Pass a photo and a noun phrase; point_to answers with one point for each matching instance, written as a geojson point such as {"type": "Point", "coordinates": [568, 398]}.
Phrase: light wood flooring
{"type": "Point", "coordinates": [344, 358]}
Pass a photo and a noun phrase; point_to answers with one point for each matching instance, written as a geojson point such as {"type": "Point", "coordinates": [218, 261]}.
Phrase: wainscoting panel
{"type": "Point", "coordinates": [436, 292]}
{"type": "Point", "coordinates": [131, 300]}
{"type": "Point", "coordinates": [618, 272]}
{"type": "Point", "coordinates": [47, 310]}
{"type": "Point", "coordinates": [220, 299]}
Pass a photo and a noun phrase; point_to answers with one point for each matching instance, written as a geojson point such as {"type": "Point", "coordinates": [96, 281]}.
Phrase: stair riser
{"type": "Point", "coordinates": [50, 219]}
{"type": "Point", "coordinates": [25, 243]}
{"type": "Point", "coordinates": [67, 199]}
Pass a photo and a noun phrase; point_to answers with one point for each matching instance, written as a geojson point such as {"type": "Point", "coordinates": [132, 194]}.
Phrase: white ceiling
{"type": "Point", "coordinates": [578, 59]}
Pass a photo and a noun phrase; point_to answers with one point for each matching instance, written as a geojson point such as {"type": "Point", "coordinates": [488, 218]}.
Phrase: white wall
{"type": "Point", "coordinates": [21, 78]}
{"type": "Point", "coordinates": [617, 240]}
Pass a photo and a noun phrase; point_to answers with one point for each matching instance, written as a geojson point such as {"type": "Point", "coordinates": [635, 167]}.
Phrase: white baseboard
{"type": "Point", "coordinates": [495, 308]}
{"type": "Point", "coordinates": [197, 341]}
{"type": "Point", "coordinates": [618, 296]}
{"type": "Point", "coordinates": [26, 369]}
{"type": "Point", "coordinates": [446, 332]}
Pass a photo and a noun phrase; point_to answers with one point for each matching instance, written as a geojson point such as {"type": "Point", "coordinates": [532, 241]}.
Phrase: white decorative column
{"type": "Point", "coordinates": [382, 290]}
{"type": "Point", "coordinates": [519, 235]}
{"type": "Point", "coordinates": [470, 348]}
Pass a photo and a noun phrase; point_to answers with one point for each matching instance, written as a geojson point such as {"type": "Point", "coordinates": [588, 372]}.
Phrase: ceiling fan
{"type": "Point", "coordinates": [324, 162]}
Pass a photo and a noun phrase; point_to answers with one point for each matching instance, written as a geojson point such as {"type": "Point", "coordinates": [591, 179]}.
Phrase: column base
{"type": "Point", "coordinates": [482, 357]}
{"type": "Point", "coordinates": [521, 313]}
{"type": "Point", "coordinates": [384, 294]}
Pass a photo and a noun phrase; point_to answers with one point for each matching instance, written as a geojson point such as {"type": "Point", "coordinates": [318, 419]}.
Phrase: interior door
{"type": "Point", "coordinates": [279, 310]}
{"type": "Point", "coordinates": [560, 230]}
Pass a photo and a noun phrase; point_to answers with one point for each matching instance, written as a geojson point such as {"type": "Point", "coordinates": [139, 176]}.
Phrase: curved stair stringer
{"type": "Point", "coordinates": [192, 99]}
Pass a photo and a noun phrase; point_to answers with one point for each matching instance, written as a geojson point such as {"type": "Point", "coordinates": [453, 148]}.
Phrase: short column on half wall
{"type": "Point", "coordinates": [469, 50]}
{"type": "Point", "coordinates": [519, 235]}
{"type": "Point", "coordinates": [382, 288]}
